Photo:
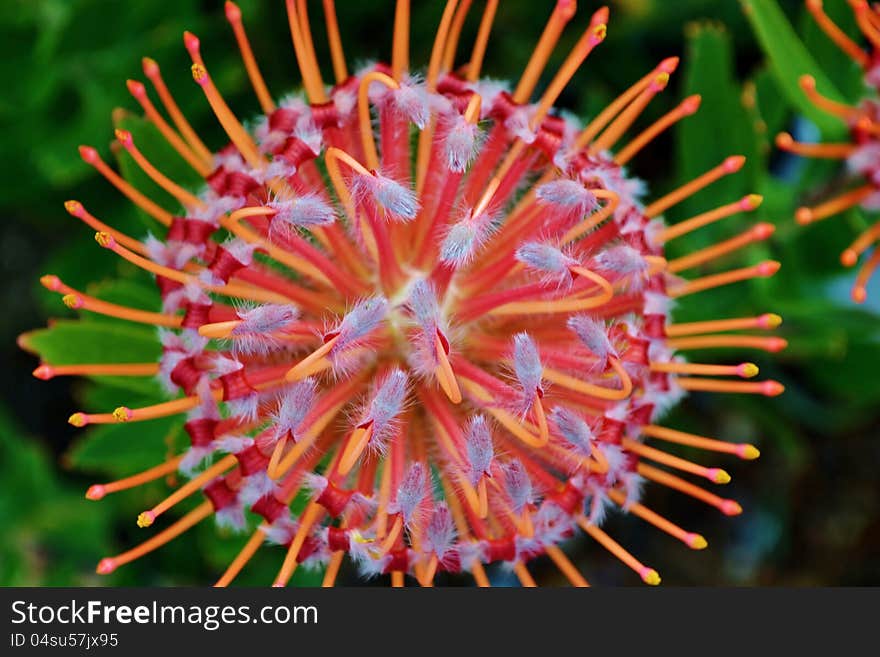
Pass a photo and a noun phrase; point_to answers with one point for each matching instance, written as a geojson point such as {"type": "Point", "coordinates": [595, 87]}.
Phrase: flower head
{"type": "Point", "coordinates": [411, 361]}
{"type": "Point", "coordinates": [862, 152]}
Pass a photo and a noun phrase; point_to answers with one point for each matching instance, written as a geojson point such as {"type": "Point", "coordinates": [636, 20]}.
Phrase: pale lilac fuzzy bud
{"type": "Point", "coordinates": [412, 100]}
{"type": "Point", "coordinates": [518, 485]}
{"type": "Point", "coordinates": [594, 336]}
{"type": "Point", "coordinates": [622, 260]}
{"type": "Point", "coordinates": [294, 404]}
{"type": "Point", "coordinates": [465, 238]}
{"type": "Point", "coordinates": [480, 451]}
{"type": "Point", "coordinates": [411, 492]}
{"type": "Point", "coordinates": [360, 321]}
{"type": "Point", "coordinates": [569, 194]}
{"type": "Point", "coordinates": [265, 318]}
{"type": "Point", "coordinates": [572, 428]}
{"type": "Point", "coordinates": [424, 306]}
{"type": "Point", "coordinates": [440, 531]}
{"type": "Point", "coordinates": [399, 201]}
{"type": "Point", "coordinates": [303, 211]}
{"type": "Point", "coordinates": [460, 143]}
{"type": "Point", "coordinates": [387, 402]}
{"type": "Point", "coordinates": [546, 258]}
{"type": "Point", "coordinates": [527, 365]}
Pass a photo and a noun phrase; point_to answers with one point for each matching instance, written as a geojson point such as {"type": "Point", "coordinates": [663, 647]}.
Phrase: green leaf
{"type": "Point", "coordinates": [789, 60]}
{"type": "Point", "coordinates": [70, 341]}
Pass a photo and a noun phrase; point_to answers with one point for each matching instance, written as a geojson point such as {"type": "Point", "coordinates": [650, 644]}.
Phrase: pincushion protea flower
{"type": "Point", "coordinates": [451, 334]}
{"type": "Point", "coordinates": [862, 152]}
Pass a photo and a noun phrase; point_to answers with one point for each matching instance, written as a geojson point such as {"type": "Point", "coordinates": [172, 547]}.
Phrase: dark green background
{"type": "Point", "coordinates": [812, 509]}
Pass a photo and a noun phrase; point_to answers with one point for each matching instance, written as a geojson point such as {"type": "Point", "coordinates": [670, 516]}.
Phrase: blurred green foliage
{"type": "Point", "coordinates": [812, 505]}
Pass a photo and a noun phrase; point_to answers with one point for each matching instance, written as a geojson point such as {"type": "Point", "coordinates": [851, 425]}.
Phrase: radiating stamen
{"type": "Point", "coordinates": [833, 107]}
{"type": "Point", "coordinates": [454, 34]}
{"type": "Point", "coordinates": [863, 18]}
{"type": "Point", "coordinates": [368, 140]}
{"type": "Point", "coordinates": [400, 47]}
{"type": "Point", "coordinates": [308, 65]}
{"type": "Point", "coordinates": [46, 372]}
{"type": "Point", "coordinates": [523, 574]}
{"type": "Point", "coordinates": [233, 15]}
{"type": "Point", "coordinates": [715, 475]}
{"type": "Point", "coordinates": [177, 143]}
{"type": "Point", "coordinates": [841, 151]}
{"type": "Point", "coordinates": [76, 209]}
{"type": "Point", "coordinates": [184, 197]}
{"type": "Point", "coordinates": [756, 233]}
{"type": "Point", "coordinates": [762, 270]}
{"type": "Point", "coordinates": [627, 117]}
{"type": "Point", "coordinates": [147, 518]}
{"type": "Point", "coordinates": [332, 570]}
{"type": "Point", "coordinates": [563, 12]}
{"type": "Point", "coordinates": [357, 443]}
{"type": "Point", "coordinates": [744, 370]}
{"type": "Point", "coordinates": [742, 450]}
{"type": "Point", "coordinates": [444, 372]}
{"type": "Point", "coordinates": [768, 388]}
{"type": "Point", "coordinates": [109, 564]}
{"type": "Point", "coordinates": [611, 110]}
{"type": "Point", "coordinates": [90, 156]}
{"type": "Point", "coordinates": [98, 491]}
{"type": "Point", "coordinates": [234, 130]}
{"type": "Point", "coordinates": [595, 219]}
{"type": "Point", "coordinates": [308, 518]}
{"type": "Point", "coordinates": [151, 70]}
{"type": "Point", "coordinates": [340, 70]}
{"type": "Point", "coordinates": [745, 204]}
{"type": "Point", "coordinates": [727, 507]}
{"type": "Point", "coordinates": [478, 52]}
{"type": "Point", "coordinates": [687, 107]}
{"type": "Point", "coordinates": [693, 541]}
{"type": "Point", "coordinates": [250, 548]}
{"type": "Point", "coordinates": [765, 321]}
{"type": "Point", "coordinates": [838, 36]}
{"type": "Point", "coordinates": [648, 575]}
{"type": "Point", "coordinates": [730, 165]}
{"type": "Point", "coordinates": [600, 392]}
{"type": "Point", "coordinates": [836, 205]}
{"type": "Point", "coordinates": [859, 293]}
{"type": "Point", "coordinates": [772, 344]}
{"type": "Point", "coordinates": [851, 254]}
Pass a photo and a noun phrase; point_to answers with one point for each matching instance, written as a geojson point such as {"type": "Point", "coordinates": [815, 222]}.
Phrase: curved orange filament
{"type": "Point", "coordinates": [233, 14]}
{"type": "Point", "coordinates": [730, 165]}
{"type": "Point", "coordinates": [715, 475]}
{"type": "Point", "coordinates": [564, 305]}
{"type": "Point", "coordinates": [247, 552]}
{"type": "Point", "coordinates": [693, 541]}
{"type": "Point", "coordinates": [756, 233]}
{"type": "Point", "coordinates": [762, 270]}
{"type": "Point", "coordinates": [309, 516]}
{"type": "Point", "coordinates": [337, 56]}
{"type": "Point", "coordinates": [368, 140]}
{"type": "Point", "coordinates": [147, 518]}
{"type": "Point", "coordinates": [566, 567]}
{"type": "Point", "coordinates": [834, 206]}
{"type": "Point", "coordinates": [851, 254]}
{"type": "Point", "coordinates": [184, 197]}
{"type": "Point", "coordinates": [728, 507]}
{"type": "Point", "coordinates": [648, 575]}
{"type": "Point", "coordinates": [686, 108]}
{"type": "Point", "coordinates": [591, 389]}
{"type": "Point", "coordinates": [742, 450]}
{"type": "Point", "coordinates": [332, 571]}
{"type": "Point", "coordinates": [523, 574]}
{"type": "Point", "coordinates": [80, 301]}
{"type": "Point", "coordinates": [841, 151]}
{"type": "Point", "coordinates": [109, 564]}
{"type": "Point", "coordinates": [863, 18]}
{"type": "Point", "coordinates": [305, 367]}
{"type": "Point", "coordinates": [594, 219]}
{"type": "Point", "coordinates": [744, 370]}
{"type": "Point", "coordinates": [98, 491]}
{"type": "Point", "coordinates": [563, 12]}
{"type": "Point", "coordinates": [859, 292]}
{"type": "Point", "coordinates": [838, 36]}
